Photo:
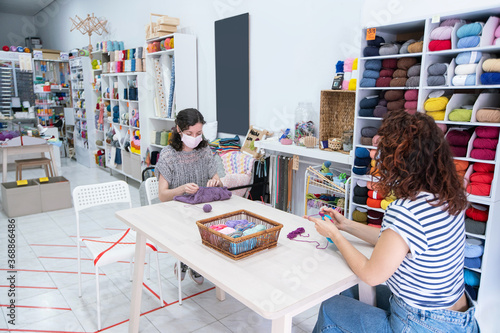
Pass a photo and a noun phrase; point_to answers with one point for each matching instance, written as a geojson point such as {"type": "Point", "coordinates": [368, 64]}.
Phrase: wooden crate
{"type": "Point", "coordinates": [336, 113]}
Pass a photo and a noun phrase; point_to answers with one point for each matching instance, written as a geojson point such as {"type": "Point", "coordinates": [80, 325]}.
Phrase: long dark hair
{"type": "Point", "coordinates": [414, 156]}
{"type": "Point", "coordinates": [185, 119]}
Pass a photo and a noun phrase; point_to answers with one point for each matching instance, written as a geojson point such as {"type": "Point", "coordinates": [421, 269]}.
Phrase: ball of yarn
{"type": "Point", "coordinates": [488, 115]}
{"type": "Point", "coordinates": [491, 65]}
{"type": "Point", "coordinates": [365, 141]}
{"type": "Point", "coordinates": [400, 73]}
{"type": "Point", "coordinates": [387, 72]}
{"type": "Point", "coordinates": [469, 57]}
{"type": "Point", "coordinates": [436, 104]}
{"type": "Point", "coordinates": [376, 42]}
{"type": "Point", "coordinates": [352, 84]}
{"type": "Point", "coordinates": [441, 33]}
{"type": "Point", "coordinates": [348, 65]}
{"type": "Point", "coordinates": [414, 70]}
{"type": "Point", "coordinates": [442, 127]}
{"type": "Point", "coordinates": [450, 22]}
{"type": "Point", "coordinates": [382, 102]}
{"type": "Point", "coordinates": [5, 48]}
{"type": "Point", "coordinates": [412, 105]}
{"type": "Point", "coordinates": [365, 112]}
{"type": "Point", "coordinates": [488, 132]}
{"type": "Point", "coordinates": [466, 69]}
{"type": "Point", "coordinates": [398, 82]}
{"type": "Point", "coordinates": [477, 214]}
{"type": "Point", "coordinates": [483, 154]}
{"type": "Point", "coordinates": [439, 68]}
{"type": "Point", "coordinates": [439, 45]}
{"type": "Point", "coordinates": [375, 195]}
{"type": "Point", "coordinates": [490, 78]}
{"type": "Point", "coordinates": [371, 51]}
{"type": "Point", "coordinates": [497, 32]}
{"type": "Point", "coordinates": [416, 47]}
{"type": "Point", "coordinates": [371, 74]}
{"type": "Point", "coordinates": [391, 63]}
{"type": "Point", "coordinates": [411, 95]}
{"type": "Point", "coordinates": [471, 29]}
{"type": "Point", "coordinates": [360, 191]}
{"type": "Point", "coordinates": [475, 227]}
{"type": "Point", "coordinates": [436, 80]}
{"type": "Point", "coordinates": [413, 81]}
{"type": "Point", "coordinates": [436, 115]}
{"type": "Point", "coordinates": [461, 165]}
{"type": "Point", "coordinates": [464, 80]}
{"type": "Point", "coordinates": [396, 105]}
{"type": "Point", "coordinates": [383, 82]}
{"type": "Point", "coordinates": [355, 64]}
{"type": "Point", "coordinates": [406, 63]}
{"type": "Point", "coordinates": [479, 189]}
{"type": "Point", "coordinates": [362, 152]}
{"type": "Point", "coordinates": [460, 115]}
{"type": "Point", "coordinates": [355, 198]}
{"type": "Point", "coordinates": [388, 49]}
{"type": "Point", "coordinates": [482, 177]}
{"type": "Point", "coordinates": [485, 143]}
{"type": "Point", "coordinates": [359, 216]}
{"type": "Point", "coordinates": [483, 167]}
{"type": "Point", "coordinates": [365, 83]}
{"type": "Point", "coordinates": [471, 278]}
{"type": "Point", "coordinates": [207, 208]}
{"type": "Point", "coordinates": [360, 162]}
{"type": "Point", "coordinates": [458, 151]}
{"type": "Point", "coordinates": [369, 102]}
{"type": "Point", "coordinates": [339, 66]}
{"type": "Point", "coordinates": [373, 64]}
{"type": "Point", "coordinates": [393, 95]}
{"type": "Point", "coordinates": [466, 42]}
{"type": "Point", "coordinates": [404, 47]}
{"type": "Point", "coordinates": [369, 132]}
{"type": "Point", "coordinates": [373, 203]}
{"type": "Point", "coordinates": [380, 111]}
{"type": "Point", "coordinates": [458, 138]}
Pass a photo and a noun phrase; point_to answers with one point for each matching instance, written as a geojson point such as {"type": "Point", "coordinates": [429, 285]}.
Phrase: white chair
{"type": "Point", "coordinates": [109, 249]}
{"type": "Point", "coordinates": [152, 193]}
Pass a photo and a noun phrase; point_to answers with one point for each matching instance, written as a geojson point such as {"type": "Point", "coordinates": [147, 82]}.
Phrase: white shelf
{"type": "Point", "coordinates": [391, 56]}
{"type": "Point", "coordinates": [160, 53]}
{"type": "Point", "coordinates": [159, 38]}
{"type": "Point", "coordinates": [316, 153]}
{"type": "Point", "coordinates": [157, 146]}
{"type": "Point", "coordinates": [162, 119]}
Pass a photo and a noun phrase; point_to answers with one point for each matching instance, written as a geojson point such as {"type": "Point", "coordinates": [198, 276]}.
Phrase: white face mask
{"type": "Point", "coordinates": [191, 142]}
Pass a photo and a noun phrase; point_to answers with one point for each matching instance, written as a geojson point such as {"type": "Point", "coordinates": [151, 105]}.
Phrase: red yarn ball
{"type": "Point", "coordinates": [5, 48]}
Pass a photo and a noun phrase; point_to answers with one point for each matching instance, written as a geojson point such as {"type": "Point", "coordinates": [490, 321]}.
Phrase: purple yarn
{"type": "Point", "coordinates": [205, 194]}
{"type": "Point", "coordinates": [207, 208]}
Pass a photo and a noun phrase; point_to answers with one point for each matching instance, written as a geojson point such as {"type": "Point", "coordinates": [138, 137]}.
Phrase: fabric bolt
{"type": "Point", "coordinates": [400, 73]}
{"type": "Point", "coordinates": [479, 189]}
{"type": "Point", "coordinates": [439, 45]}
{"type": "Point", "coordinates": [436, 115]}
{"type": "Point", "coordinates": [393, 95]}
{"type": "Point", "coordinates": [416, 47]}
{"type": "Point", "coordinates": [366, 83]}
{"type": "Point", "coordinates": [359, 200]}
{"type": "Point", "coordinates": [483, 167]}
{"type": "Point", "coordinates": [490, 78]}
{"type": "Point", "coordinates": [398, 82]}
{"type": "Point", "coordinates": [376, 42]}
{"type": "Point", "coordinates": [483, 154]}
{"type": "Point", "coordinates": [370, 74]}
{"type": "Point", "coordinates": [463, 115]}
{"type": "Point", "coordinates": [369, 131]}
{"type": "Point", "coordinates": [373, 64]}
{"type": "Point", "coordinates": [439, 68]}
{"type": "Point", "coordinates": [360, 171]}
{"type": "Point", "coordinates": [477, 214]}
{"type": "Point", "coordinates": [466, 42]}
{"type": "Point", "coordinates": [396, 105]}
{"type": "Point", "coordinates": [413, 81]}
{"type": "Point", "coordinates": [468, 57]}
{"type": "Point", "coordinates": [489, 132]}
{"type": "Point", "coordinates": [475, 227]}
{"type": "Point", "coordinates": [369, 102]}
{"type": "Point", "coordinates": [366, 112]}
{"type": "Point", "coordinates": [458, 151]}
{"type": "Point", "coordinates": [404, 47]}
{"type": "Point", "coordinates": [391, 63]}
{"type": "Point", "coordinates": [464, 80]}
{"type": "Point", "coordinates": [371, 51]}
{"type": "Point", "coordinates": [383, 82]}
{"type": "Point", "coordinates": [414, 70]}
{"type": "Point", "coordinates": [466, 69]}
{"type": "Point", "coordinates": [366, 141]}
{"type": "Point", "coordinates": [411, 95]}
{"type": "Point", "coordinates": [389, 49]}
{"type": "Point", "coordinates": [488, 115]}
{"type": "Point", "coordinates": [406, 63]}
{"type": "Point", "coordinates": [436, 80]}
{"type": "Point", "coordinates": [436, 104]}
{"type": "Point", "coordinates": [482, 177]}
{"type": "Point", "coordinates": [386, 72]}
{"type": "Point", "coordinates": [412, 105]}
{"type": "Point", "coordinates": [472, 262]}
{"type": "Point", "coordinates": [379, 111]}
{"type": "Point", "coordinates": [360, 191]}
{"type": "Point", "coordinates": [441, 33]}
{"type": "Point", "coordinates": [471, 29]}
{"type": "Point", "coordinates": [485, 143]}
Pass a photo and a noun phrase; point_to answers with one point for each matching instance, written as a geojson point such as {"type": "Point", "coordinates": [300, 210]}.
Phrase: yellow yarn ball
{"type": "Point", "coordinates": [355, 64]}
{"type": "Point", "coordinates": [436, 115]}
{"type": "Point", "coordinates": [436, 104]}
{"type": "Point", "coordinates": [352, 84]}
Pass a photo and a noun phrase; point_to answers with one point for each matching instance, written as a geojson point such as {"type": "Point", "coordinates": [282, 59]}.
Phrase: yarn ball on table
{"type": "Point", "coordinates": [488, 115]}
{"type": "Point", "coordinates": [374, 65]}
{"type": "Point", "coordinates": [439, 68]}
{"type": "Point", "coordinates": [439, 45]}
{"type": "Point", "coordinates": [207, 208]}
{"type": "Point", "coordinates": [416, 47]}
{"type": "Point", "coordinates": [490, 78]}
{"type": "Point", "coordinates": [468, 57]}
{"type": "Point", "coordinates": [471, 29]}
{"type": "Point", "coordinates": [491, 65]}
{"type": "Point", "coordinates": [441, 33]}
{"type": "Point", "coordinates": [436, 80]}
{"type": "Point", "coordinates": [467, 42]}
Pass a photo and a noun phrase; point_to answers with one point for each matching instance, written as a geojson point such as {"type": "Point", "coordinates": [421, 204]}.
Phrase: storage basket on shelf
{"type": "Point", "coordinates": [238, 248]}
{"type": "Point", "coordinates": [336, 114]}
{"type": "Point", "coordinates": [335, 143]}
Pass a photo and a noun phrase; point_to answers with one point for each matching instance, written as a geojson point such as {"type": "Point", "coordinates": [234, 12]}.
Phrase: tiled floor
{"type": "Point", "coordinates": [47, 284]}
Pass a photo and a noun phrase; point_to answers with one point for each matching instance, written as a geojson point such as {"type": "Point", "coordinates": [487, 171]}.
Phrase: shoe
{"type": "Point", "coordinates": [184, 269]}
{"type": "Point", "coordinates": [195, 276]}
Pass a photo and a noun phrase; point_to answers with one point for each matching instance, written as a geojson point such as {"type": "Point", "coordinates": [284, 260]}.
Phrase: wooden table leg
{"type": "Point", "coordinates": [220, 294]}
{"type": "Point", "coordinates": [135, 305]}
{"type": "Point", "coordinates": [367, 294]}
{"type": "Point", "coordinates": [53, 161]}
{"type": "Point", "coordinates": [282, 325]}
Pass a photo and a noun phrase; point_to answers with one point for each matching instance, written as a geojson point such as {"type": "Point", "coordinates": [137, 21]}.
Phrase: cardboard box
{"type": "Point", "coordinates": [50, 54]}
{"type": "Point", "coordinates": [55, 194]}
{"type": "Point", "coordinates": [21, 200]}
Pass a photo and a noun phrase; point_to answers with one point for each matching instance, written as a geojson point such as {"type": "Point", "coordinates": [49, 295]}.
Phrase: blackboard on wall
{"type": "Point", "coordinates": [232, 74]}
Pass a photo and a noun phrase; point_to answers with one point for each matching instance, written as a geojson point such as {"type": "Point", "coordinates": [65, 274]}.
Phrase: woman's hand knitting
{"type": "Point", "coordinates": [213, 182]}
{"type": "Point", "coordinates": [190, 188]}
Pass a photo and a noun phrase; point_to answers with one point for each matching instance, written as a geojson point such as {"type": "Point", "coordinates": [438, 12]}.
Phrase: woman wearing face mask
{"type": "Point", "coordinates": [186, 164]}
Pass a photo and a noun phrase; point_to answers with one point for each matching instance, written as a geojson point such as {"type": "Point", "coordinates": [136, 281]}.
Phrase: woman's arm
{"type": "Point", "coordinates": [214, 181]}
{"type": "Point", "coordinates": [167, 194]}
{"type": "Point", "coordinates": [387, 256]}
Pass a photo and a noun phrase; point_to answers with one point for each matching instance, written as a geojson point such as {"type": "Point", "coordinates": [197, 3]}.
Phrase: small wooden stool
{"type": "Point", "coordinates": [42, 161]}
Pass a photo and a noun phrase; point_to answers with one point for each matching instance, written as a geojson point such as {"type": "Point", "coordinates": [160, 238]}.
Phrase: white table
{"type": "Point", "coordinates": [278, 283]}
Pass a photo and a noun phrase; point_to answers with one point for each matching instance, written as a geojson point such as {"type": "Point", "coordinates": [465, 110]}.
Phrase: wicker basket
{"type": "Point", "coordinates": [310, 141]}
{"type": "Point", "coordinates": [238, 248]}
{"type": "Point", "coordinates": [336, 113]}
{"type": "Point", "coordinates": [335, 143]}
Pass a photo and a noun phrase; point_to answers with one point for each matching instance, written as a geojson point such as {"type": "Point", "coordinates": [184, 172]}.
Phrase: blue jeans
{"type": "Point", "coordinates": [343, 313]}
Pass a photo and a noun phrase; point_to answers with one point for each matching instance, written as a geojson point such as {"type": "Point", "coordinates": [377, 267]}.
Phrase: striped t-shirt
{"type": "Point", "coordinates": [431, 275]}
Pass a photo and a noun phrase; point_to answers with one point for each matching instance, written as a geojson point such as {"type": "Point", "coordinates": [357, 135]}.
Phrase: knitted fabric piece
{"type": "Point", "coordinates": [205, 194]}
{"type": "Point", "coordinates": [237, 162]}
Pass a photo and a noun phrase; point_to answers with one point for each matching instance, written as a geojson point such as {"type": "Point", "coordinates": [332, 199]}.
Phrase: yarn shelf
{"type": "Point", "coordinates": [478, 96]}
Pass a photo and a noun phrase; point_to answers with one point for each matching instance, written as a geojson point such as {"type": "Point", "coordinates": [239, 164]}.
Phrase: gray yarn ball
{"type": "Point", "coordinates": [388, 49]}
{"type": "Point", "coordinates": [413, 81]}
{"type": "Point", "coordinates": [439, 68]}
{"type": "Point", "coordinates": [414, 70]}
{"type": "Point", "coordinates": [436, 80]}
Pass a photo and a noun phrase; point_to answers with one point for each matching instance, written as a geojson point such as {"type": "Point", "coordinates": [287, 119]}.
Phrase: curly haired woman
{"type": "Point", "coordinates": [419, 251]}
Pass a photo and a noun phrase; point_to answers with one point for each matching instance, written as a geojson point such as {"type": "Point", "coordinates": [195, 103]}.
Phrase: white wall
{"type": "Point", "coordinates": [293, 46]}
{"type": "Point", "coordinates": [15, 28]}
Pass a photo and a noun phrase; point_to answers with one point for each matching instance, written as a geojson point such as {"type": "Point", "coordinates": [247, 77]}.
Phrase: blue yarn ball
{"type": "Point", "coordinates": [490, 78]}
{"type": "Point", "coordinates": [366, 82]}
{"type": "Point", "coordinates": [466, 42]}
{"type": "Point", "coordinates": [472, 29]}
{"type": "Point", "coordinates": [468, 57]}
{"type": "Point", "coordinates": [339, 67]}
{"type": "Point", "coordinates": [373, 64]}
{"type": "Point", "coordinates": [368, 102]}
{"type": "Point", "coordinates": [471, 278]}
{"type": "Point", "coordinates": [371, 51]}
{"type": "Point", "coordinates": [376, 42]}
{"type": "Point", "coordinates": [362, 153]}
{"type": "Point", "coordinates": [371, 74]}
{"type": "Point", "coordinates": [365, 112]}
